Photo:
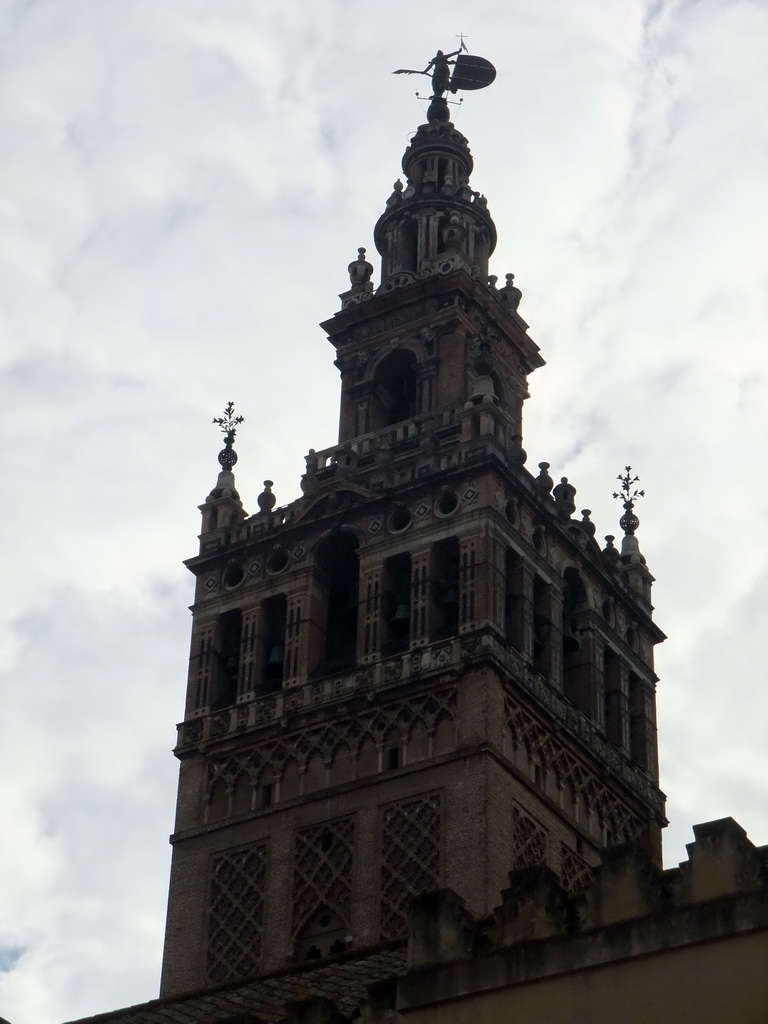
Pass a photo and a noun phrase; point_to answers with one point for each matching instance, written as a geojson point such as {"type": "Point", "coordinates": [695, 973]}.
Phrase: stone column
{"type": "Point", "coordinates": [420, 597]}
{"type": "Point", "coordinates": [251, 655]}
{"type": "Point", "coordinates": [369, 621]}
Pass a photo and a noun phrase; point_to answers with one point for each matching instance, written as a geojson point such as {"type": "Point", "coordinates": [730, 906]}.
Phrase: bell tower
{"type": "Point", "coordinates": [423, 672]}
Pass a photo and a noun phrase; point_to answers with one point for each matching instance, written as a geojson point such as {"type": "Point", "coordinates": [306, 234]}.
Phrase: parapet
{"type": "Point", "coordinates": [630, 910]}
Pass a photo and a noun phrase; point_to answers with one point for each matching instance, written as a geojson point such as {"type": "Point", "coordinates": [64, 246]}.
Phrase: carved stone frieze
{"type": "Point", "coordinates": [396, 319]}
{"type": "Point", "coordinates": [571, 772]}
{"type": "Point", "coordinates": [343, 738]}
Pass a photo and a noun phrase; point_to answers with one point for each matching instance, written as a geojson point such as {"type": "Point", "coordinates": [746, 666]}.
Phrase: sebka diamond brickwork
{"type": "Point", "coordinates": [235, 912]}
{"type": "Point", "coordinates": [410, 845]}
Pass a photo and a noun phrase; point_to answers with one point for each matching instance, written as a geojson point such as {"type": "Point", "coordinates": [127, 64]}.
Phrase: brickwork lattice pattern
{"type": "Point", "coordinates": [410, 845]}
{"type": "Point", "coordinates": [323, 871]}
{"type": "Point", "coordinates": [529, 841]}
{"type": "Point", "coordinates": [575, 873]}
{"type": "Point", "coordinates": [330, 740]}
{"type": "Point", "coordinates": [572, 772]}
{"type": "Point", "coordinates": [235, 911]}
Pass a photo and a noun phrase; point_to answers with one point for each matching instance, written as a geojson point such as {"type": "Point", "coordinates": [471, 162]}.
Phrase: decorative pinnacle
{"type": "Point", "coordinates": [229, 424]}
{"type": "Point", "coordinates": [628, 495]}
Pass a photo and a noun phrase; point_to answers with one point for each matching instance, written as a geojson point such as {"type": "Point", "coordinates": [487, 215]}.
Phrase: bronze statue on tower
{"type": "Point", "coordinates": [469, 72]}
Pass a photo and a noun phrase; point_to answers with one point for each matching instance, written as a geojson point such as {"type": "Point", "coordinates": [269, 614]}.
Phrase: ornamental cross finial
{"type": "Point", "coordinates": [628, 495]}
{"type": "Point", "coordinates": [229, 424]}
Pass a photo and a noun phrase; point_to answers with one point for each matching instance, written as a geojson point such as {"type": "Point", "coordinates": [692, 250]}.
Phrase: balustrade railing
{"type": "Point", "coordinates": [253, 711]}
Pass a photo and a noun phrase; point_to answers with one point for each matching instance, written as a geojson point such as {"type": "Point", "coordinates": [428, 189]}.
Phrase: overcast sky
{"type": "Point", "coordinates": [182, 186]}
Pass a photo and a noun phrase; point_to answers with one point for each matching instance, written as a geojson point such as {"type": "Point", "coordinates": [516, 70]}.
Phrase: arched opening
{"type": "Point", "coordinates": [315, 774]}
{"type": "Point", "coordinates": [444, 739]}
{"type": "Point", "coordinates": [613, 700]}
{"type": "Point", "coordinates": [404, 245]}
{"type": "Point", "coordinates": [324, 934]}
{"type": "Point", "coordinates": [242, 794]}
{"type": "Point", "coordinates": [418, 742]}
{"type": "Point", "coordinates": [265, 793]}
{"type": "Point", "coordinates": [542, 627]}
{"type": "Point", "coordinates": [342, 766]}
{"type": "Point", "coordinates": [273, 615]}
{"type": "Point", "coordinates": [394, 396]}
{"type": "Point", "coordinates": [338, 565]}
{"type": "Point", "coordinates": [445, 589]}
{"type": "Point", "coordinates": [396, 604]}
{"type": "Point", "coordinates": [392, 751]}
{"type": "Point", "coordinates": [229, 631]}
{"type": "Point", "coordinates": [218, 802]}
{"type": "Point", "coordinates": [640, 725]}
{"type": "Point", "coordinates": [498, 387]}
{"type": "Point", "coordinates": [367, 761]}
{"type": "Point", "coordinates": [577, 669]}
{"type": "Point", "coordinates": [514, 602]}
{"type": "Point", "coordinates": [290, 781]}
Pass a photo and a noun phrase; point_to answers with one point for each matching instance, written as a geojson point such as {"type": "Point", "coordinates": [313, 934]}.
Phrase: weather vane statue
{"type": "Point", "coordinates": [468, 72]}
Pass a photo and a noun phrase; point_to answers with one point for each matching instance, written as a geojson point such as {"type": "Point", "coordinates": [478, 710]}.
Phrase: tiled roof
{"type": "Point", "coordinates": [343, 980]}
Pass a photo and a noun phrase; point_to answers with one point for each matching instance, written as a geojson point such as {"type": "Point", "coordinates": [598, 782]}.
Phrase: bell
{"type": "Point", "coordinates": [571, 639]}
{"type": "Point", "coordinates": [451, 595]}
{"type": "Point", "coordinates": [402, 613]}
{"type": "Point", "coordinates": [483, 391]}
{"type": "Point", "coordinates": [276, 654]}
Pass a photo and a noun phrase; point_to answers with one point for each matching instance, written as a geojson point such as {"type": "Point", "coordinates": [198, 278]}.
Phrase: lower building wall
{"type": "Point", "coordinates": [724, 981]}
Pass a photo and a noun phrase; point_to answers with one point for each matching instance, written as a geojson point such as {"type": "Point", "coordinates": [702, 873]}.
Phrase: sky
{"type": "Point", "coordinates": [182, 186]}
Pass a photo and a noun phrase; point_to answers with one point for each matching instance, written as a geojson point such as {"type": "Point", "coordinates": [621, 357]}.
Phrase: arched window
{"type": "Point", "coordinates": [394, 390]}
{"type": "Point", "coordinates": [339, 569]}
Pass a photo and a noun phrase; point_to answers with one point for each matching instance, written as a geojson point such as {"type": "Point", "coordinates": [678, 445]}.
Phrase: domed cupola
{"type": "Point", "coordinates": [436, 223]}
